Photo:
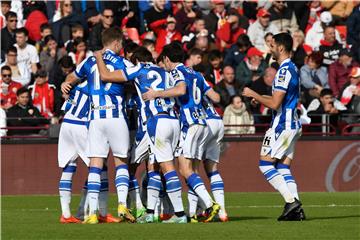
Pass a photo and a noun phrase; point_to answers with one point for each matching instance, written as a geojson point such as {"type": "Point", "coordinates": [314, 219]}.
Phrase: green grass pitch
{"type": "Point", "coordinates": [252, 216]}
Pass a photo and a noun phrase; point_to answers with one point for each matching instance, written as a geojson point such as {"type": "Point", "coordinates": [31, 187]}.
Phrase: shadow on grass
{"type": "Point", "coordinates": [247, 218]}
{"type": "Point", "coordinates": [331, 217]}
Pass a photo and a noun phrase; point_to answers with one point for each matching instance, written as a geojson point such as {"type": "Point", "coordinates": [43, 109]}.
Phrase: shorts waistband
{"type": "Point", "coordinates": [77, 122]}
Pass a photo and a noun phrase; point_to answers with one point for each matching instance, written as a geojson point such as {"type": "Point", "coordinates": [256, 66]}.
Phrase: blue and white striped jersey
{"type": "Point", "coordinates": [210, 111]}
{"type": "Point", "coordinates": [136, 103]}
{"type": "Point", "coordinates": [78, 103]}
{"type": "Point", "coordinates": [151, 76]}
{"type": "Point", "coordinates": [286, 80]}
{"type": "Point", "coordinates": [107, 99]}
{"type": "Point", "coordinates": [191, 109]}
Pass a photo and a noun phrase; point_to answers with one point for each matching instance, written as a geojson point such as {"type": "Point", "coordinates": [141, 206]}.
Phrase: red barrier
{"type": "Point", "coordinates": [318, 166]}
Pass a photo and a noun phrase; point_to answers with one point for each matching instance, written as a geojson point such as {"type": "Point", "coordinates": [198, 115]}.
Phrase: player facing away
{"type": "Point", "coordinates": [108, 124]}
{"type": "Point", "coordinates": [163, 130]}
{"type": "Point", "coordinates": [278, 146]}
{"type": "Point", "coordinates": [189, 90]}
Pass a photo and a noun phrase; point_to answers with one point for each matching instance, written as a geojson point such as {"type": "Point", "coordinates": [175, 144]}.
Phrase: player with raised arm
{"type": "Point", "coordinates": [163, 130]}
{"type": "Point", "coordinates": [189, 89]}
{"type": "Point", "coordinates": [278, 146]}
{"type": "Point", "coordinates": [108, 124]}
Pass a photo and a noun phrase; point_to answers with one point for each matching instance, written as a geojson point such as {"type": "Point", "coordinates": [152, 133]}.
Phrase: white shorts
{"type": "Point", "coordinates": [108, 133]}
{"type": "Point", "coordinates": [140, 150]}
{"type": "Point", "coordinates": [191, 139]}
{"type": "Point", "coordinates": [163, 135]}
{"type": "Point", "coordinates": [72, 143]}
{"type": "Point", "coordinates": [281, 145]}
{"type": "Point", "coordinates": [215, 129]}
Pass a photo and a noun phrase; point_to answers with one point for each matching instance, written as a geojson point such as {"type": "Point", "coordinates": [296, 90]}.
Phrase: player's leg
{"type": "Point", "coordinates": [193, 197]}
{"type": "Point", "coordinates": [83, 207]}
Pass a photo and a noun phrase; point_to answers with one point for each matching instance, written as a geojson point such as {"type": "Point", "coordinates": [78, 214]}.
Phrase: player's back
{"type": "Point", "coordinates": [78, 103]}
{"type": "Point", "coordinates": [107, 99]}
{"type": "Point", "coordinates": [191, 109]}
{"type": "Point", "coordinates": [287, 80]}
{"type": "Point", "coordinates": [210, 111]}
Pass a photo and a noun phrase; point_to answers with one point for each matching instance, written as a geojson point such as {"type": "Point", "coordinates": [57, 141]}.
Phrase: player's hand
{"type": "Point", "coordinates": [247, 92]}
{"type": "Point", "coordinates": [149, 95]}
{"type": "Point", "coordinates": [98, 54]}
{"type": "Point", "coordinates": [65, 87]}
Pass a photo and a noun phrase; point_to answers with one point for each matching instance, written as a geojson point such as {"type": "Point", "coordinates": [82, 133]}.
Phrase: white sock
{"type": "Point", "coordinates": [153, 189]}
{"type": "Point", "coordinates": [217, 189]}
{"type": "Point", "coordinates": [122, 183]}
{"type": "Point", "coordinates": [173, 190]}
{"type": "Point", "coordinates": [94, 186]}
{"type": "Point", "coordinates": [192, 202]}
{"type": "Point", "coordinates": [197, 185]}
{"type": "Point", "coordinates": [276, 180]}
{"type": "Point", "coordinates": [104, 192]}
{"type": "Point", "coordinates": [134, 192]}
{"type": "Point", "coordinates": [284, 170]}
{"type": "Point", "coordinates": [65, 186]}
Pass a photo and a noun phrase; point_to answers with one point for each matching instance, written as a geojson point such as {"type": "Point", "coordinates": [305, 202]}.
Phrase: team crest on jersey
{"type": "Point", "coordinates": [175, 74]}
{"type": "Point", "coordinates": [282, 75]}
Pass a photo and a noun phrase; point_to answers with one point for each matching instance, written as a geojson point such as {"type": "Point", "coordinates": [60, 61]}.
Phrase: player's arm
{"type": "Point", "coordinates": [272, 102]}
{"type": "Point", "coordinates": [214, 96]}
{"type": "Point", "coordinates": [70, 80]}
{"type": "Point", "coordinates": [105, 74]}
{"type": "Point", "coordinates": [176, 91]}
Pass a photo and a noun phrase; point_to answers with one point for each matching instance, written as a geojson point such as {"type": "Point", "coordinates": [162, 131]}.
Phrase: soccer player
{"type": "Point", "coordinates": [278, 146]}
{"type": "Point", "coordinates": [163, 130]}
{"type": "Point", "coordinates": [108, 124]}
{"type": "Point", "coordinates": [189, 88]}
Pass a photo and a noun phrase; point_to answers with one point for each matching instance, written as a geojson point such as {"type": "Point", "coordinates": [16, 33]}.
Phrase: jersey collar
{"type": "Point", "coordinates": [109, 50]}
{"type": "Point", "coordinates": [285, 61]}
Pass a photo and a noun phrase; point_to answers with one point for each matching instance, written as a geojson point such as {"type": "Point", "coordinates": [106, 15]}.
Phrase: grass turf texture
{"type": "Point", "coordinates": [252, 216]}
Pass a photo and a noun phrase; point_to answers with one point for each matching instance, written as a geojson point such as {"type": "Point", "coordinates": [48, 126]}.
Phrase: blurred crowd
{"type": "Point", "coordinates": [227, 41]}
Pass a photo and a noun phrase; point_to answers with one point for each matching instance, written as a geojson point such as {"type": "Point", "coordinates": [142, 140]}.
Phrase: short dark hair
{"type": "Point", "coordinates": [45, 26]}
{"type": "Point", "coordinates": [5, 68]}
{"type": "Point", "coordinates": [141, 54]}
{"type": "Point", "coordinates": [106, 9]}
{"type": "Point", "coordinates": [214, 54]}
{"type": "Point", "coordinates": [11, 49]}
{"type": "Point", "coordinates": [174, 52]}
{"type": "Point", "coordinates": [130, 47]}
{"type": "Point", "coordinates": [76, 27]}
{"type": "Point", "coordinates": [268, 34]}
{"type": "Point", "coordinates": [66, 62]}
{"type": "Point", "coordinates": [284, 39]}
{"type": "Point", "coordinates": [22, 30]}
{"type": "Point", "coordinates": [243, 41]}
{"type": "Point", "coordinates": [79, 40]}
{"type": "Point", "coordinates": [49, 38]}
{"type": "Point", "coordinates": [6, 2]}
{"type": "Point", "coordinates": [317, 57]}
{"type": "Point", "coordinates": [326, 91]}
{"type": "Point", "coordinates": [235, 96]}
{"type": "Point", "coordinates": [195, 51]}
{"type": "Point", "coordinates": [21, 91]}
{"type": "Point", "coordinates": [111, 34]}
{"type": "Point", "coordinates": [201, 68]}
{"type": "Point", "coordinates": [10, 14]}
{"type": "Point", "coordinates": [147, 42]}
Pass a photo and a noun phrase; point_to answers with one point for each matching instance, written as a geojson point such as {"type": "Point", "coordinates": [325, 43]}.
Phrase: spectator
{"type": "Point", "coordinates": [8, 32]}
{"type": "Point", "coordinates": [252, 68]}
{"type": "Point", "coordinates": [65, 9]}
{"type": "Point", "coordinates": [186, 16]}
{"type": "Point", "coordinates": [339, 9]}
{"type": "Point", "coordinates": [52, 53]}
{"type": "Point", "coordinates": [228, 87]}
{"type": "Point", "coordinates": [77, 31]}
{"type": "Point", "coordinates": [217, 16]}
{"type": "Point", "coordinates": [283, 17]}
{"type": "Point", "coordinates": [313, 76]}
{"type": "Point", "coordinates": [150, 45]}
{"type": "Point", "coordinates": [80, 51]}
{"type": "Point", "coordinates": [316, 33]}
{"type": "Point", "coordinates": [237, 51]}
{"type": "Point", "coordinates": [129, 48]}
{"type": "Point", "coordinates": [26, 53]}
{"type": "Point", "coordinates": [166, 35]}
{"type": "Point", "coordinates": [107, 21]}
{"type": "Point", "coordinates": [350, 97]}
{"type": "Point", "coordinates": [198, 30]}
{"type": "Point", "coordinates": [353, 25]}
{"type": "Point", "coordinates": [268, 56]}
{"type": "Point", "coordinates": [2, 122]}
{"type": "Point", "coordinates": [157, 15]}
{"type": "Point", "coordinates": [42, 94]}
{"type": "Point", "coordinates": [260, 28]}
{"type": "Point", "coordinates": [329, 47]}
{"type": "Point", "coordinates": [23, 114]}
{"type": "Point", "coordinates": [307, 13]}
{"type": "Point", "coordinates": [229, 32]}
{"type": "Point", "coordinates": [195, 57]}
{"type": "Point", "coordinates": [300, 50]}
{"type": "Point", "coordinates": [237, 114]}
{"type": "Point", "coordinates": [19, 71]}
{"type": "Point", "coordinates": [45, 30]}
{"type": "Point", "coordinates": [8, 88]}
{"type": "Point", "coordinates": [339, 71]}
{"type": "Point", "coordinates": [5, 8]}
{"type": "Point", "coordinates": [213, 73]}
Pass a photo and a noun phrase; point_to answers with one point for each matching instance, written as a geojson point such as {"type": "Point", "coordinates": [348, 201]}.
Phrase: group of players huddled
{"type": "Point", "coordinates": [176, 120]}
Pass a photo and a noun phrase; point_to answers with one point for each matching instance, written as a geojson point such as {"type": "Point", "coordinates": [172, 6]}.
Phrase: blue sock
{"type": "Point", "coordinates": [173, 189]}
{"type": "Point", "coordinates": [197, 185]}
